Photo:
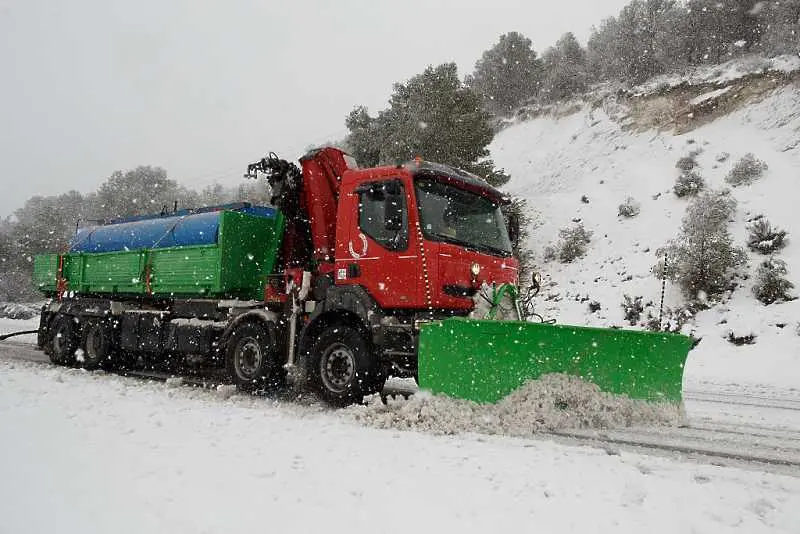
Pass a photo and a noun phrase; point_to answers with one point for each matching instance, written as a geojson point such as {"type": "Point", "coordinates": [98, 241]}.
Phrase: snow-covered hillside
{"type": "Point", "coordinates": [607, 151]}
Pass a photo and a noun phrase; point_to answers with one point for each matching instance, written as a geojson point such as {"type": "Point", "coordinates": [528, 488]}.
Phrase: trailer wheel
{"type": "Point", "coordinates": [342, 369]}
{"type": "Point", "coordinates": [63, 340]}
{"type": "Point", "coordinates": [97, 345]}
{"type": "Point", "coordinates": [251, 359]}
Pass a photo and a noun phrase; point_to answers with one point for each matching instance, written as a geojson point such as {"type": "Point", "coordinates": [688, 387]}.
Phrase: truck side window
{"type": "Point", "coordinates": [383, 213]}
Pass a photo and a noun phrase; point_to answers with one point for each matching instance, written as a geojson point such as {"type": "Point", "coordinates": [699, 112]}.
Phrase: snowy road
{"type": "Point", "coordinates": [743, 426]}
{"type": "Point", "coordinates": [92, 452]}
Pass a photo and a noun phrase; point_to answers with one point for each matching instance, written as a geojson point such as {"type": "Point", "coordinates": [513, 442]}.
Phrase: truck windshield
{"type": "Point", "coordinates": [456, 216]}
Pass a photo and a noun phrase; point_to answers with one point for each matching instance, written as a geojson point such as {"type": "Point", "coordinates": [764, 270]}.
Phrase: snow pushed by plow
{"type": "Point", "coordinates": [552, 403]}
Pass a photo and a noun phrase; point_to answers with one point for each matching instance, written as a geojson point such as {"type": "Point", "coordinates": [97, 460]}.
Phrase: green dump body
{"type": "Point", "coordinates": [485, 360]}
{"type": "Point", "coordinates": [235, 265]}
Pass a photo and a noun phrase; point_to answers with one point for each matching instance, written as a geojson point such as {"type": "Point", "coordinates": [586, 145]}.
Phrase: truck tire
{"type": "Point", "coordinates": [251, 359]}
{"type": "Point", "coordinates": [63, 340]}
{"type": "Point", "coordinates": [97, 344]}
{"type": "Point", "coordinates": [342, 369]}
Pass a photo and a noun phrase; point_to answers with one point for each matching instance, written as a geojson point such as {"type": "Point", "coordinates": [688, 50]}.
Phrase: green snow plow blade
{"type": "Point", "coordinates": [485, 360]}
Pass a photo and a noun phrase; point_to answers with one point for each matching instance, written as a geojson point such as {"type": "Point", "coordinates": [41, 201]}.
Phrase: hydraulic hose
{"type": "Point", "coordinates": [6, 336]}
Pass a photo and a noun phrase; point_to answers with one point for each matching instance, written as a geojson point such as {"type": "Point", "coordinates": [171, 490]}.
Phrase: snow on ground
{"type": "Point", "coordinates": [711, 95]}
{"type": "Point", "coordinates": [724, 73]}
{"type": "Point", "coordinates": [14, 310]}
{"type": "Point", "coordinates": [88, 452]}
{"type": "Point", "coordinates": [8, 326]}
{"type": "Point", "coordinates": [555, 161]}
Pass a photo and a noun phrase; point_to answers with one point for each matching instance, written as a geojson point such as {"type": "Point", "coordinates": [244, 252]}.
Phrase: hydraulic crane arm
{"type": "Point", "coordinates": [286, 182]}
{"type": "Point", "coordinates": [308, 199]}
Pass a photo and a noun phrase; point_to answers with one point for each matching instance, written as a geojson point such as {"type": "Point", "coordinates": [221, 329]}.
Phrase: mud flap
{"type": "Point", "coordinates": [485, 360]}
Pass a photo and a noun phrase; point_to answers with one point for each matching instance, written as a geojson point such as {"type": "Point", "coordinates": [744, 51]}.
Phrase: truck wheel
{"type": "Point", "coordinates": [63, 341]}
{"type": "Point", "coordinates": [251, 359]}
{"type": "Point", "coordinates": [342, 370]}
{"type": "Point", "coordinates": [97, 345]}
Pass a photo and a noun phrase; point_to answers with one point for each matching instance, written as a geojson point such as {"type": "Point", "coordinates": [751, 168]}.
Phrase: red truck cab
{"type": "Point", "coordinates": [421, 236]}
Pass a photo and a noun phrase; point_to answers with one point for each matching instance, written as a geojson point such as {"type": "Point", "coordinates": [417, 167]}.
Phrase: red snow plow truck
{"type": "Point", "coordinates": [350, 276]}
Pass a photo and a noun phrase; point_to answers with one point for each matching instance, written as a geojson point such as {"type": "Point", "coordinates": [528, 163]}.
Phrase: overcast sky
{"type": "Point", "coordinates": [202, 88]}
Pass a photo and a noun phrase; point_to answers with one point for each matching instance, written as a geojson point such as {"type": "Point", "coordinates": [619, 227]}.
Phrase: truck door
{"type": "Point", "coordinates": [381, 256]}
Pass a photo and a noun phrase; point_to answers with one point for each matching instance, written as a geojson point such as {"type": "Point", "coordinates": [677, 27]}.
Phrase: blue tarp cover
{"type": "Point", "coordinates": [157, 232]}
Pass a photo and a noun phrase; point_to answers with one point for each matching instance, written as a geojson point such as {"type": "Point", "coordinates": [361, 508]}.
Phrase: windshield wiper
{"type": "Point", "coordinates": [478, 247]}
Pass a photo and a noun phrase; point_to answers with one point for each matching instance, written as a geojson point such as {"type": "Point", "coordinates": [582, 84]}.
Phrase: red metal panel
{"type": "Point", "coordinates": [393, 278]}
{"type": "Point", "coordinates": [454, 265]}
{"type": "Point", "coordinates": [322, 175]}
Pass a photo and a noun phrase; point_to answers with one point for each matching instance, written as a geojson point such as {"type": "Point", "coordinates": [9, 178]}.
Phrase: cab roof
{"type": "Point", "coordinates": [457, 177]}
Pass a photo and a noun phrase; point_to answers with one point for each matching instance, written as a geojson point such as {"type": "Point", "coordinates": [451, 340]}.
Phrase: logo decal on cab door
{"type": "Point", "coordinates": [357, 255]}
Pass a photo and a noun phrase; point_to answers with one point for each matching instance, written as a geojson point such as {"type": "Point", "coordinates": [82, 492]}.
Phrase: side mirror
{"type": "Point", "coordinates": [513, 228]}
{"type": "Point", "coordinates": [536, 283]}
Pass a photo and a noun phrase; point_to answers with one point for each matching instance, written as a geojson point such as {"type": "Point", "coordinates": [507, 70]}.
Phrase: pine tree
{"type": "Point", "coordinates": [715, 31]}
{"type": "Point", "coordinates": [640, 22]}
{"type": "Point", "coordinates": [603, 60]}
{"type": "Point", "coordinates": [507, 74]}
{"type": "Point", "coordinates": [433, 116]}
{"type": "Point", "coordinates": [364, 142]}
{"type": "Point", "coordinates": [565, 71]}
{"type": "Point", "coordinates": [703, 258]}
{"type": "Point", "coordinates": [635, 45]}
{"type": "Point", "coordinates": [779, 26]}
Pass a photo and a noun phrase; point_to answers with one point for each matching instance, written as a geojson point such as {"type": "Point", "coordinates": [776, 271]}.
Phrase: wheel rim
{"type": "Point", "coordinates": [338, 367]}
{"type": "Point", "coordinates": [60, 340]}
{"type": "Point", "coordinates": [94, 343]}
{"type": "Point", "coordinates": [249, 358]}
